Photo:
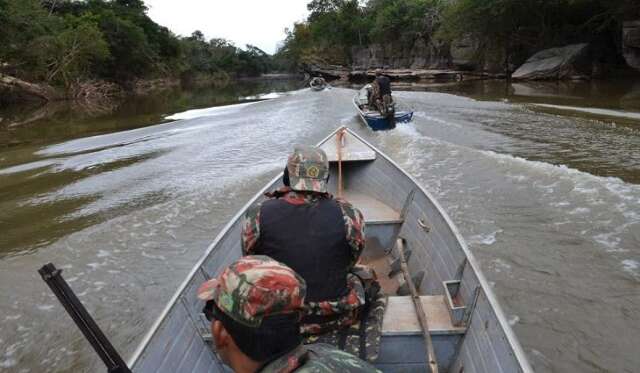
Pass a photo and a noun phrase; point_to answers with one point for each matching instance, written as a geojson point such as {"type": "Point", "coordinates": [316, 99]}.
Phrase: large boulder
{"type": "Point", "coordinates": [557, 63]}
{"type": "Point", "coordinates": [631, 43]}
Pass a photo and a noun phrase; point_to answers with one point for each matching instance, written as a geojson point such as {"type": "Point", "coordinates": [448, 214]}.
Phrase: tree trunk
{"type": "Point", "coordinates": [40, 91]}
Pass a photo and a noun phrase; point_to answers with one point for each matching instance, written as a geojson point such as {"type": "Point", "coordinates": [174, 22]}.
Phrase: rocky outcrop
{"type": "Point", "coordinates": [631, 43]}
{"type": "Point", "coordinates": [464, 53]}
{"type": "Point", "coordinates": [422, 55]}
{"type": "Point", "coordinates": [572, 61]}
{"type": "Point", "coordinates": [408, 74]}
{"type": "Point", "coordinates": [329, 72]}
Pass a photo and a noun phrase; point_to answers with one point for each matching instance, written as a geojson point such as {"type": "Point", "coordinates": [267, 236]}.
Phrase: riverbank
{"type": "Point", "coordinates": [150, 93]}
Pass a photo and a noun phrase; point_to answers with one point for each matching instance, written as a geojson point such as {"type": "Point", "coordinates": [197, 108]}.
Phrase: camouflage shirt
{"type": "Point", "coordinates": [353, 220]}
{"type": "Point", "coordinates": [317, 358]}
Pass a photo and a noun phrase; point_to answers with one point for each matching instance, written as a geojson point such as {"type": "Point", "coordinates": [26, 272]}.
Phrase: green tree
{"type": "Point", "coordinates": [23, 21]}
{"type": "Point", "coordinates": [68, 55]}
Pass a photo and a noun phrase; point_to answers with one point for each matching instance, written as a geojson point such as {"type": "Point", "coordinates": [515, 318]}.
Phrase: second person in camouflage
{"type": "Point", "coordinates": [255, 306]}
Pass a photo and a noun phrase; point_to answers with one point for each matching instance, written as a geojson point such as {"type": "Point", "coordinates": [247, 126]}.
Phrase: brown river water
{"type": "Point", "coordinates": [543, 181]}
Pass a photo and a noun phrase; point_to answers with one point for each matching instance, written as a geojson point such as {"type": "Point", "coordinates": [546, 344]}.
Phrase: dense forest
{"type": "Point", "coordinates": [507, 30]}
{"type": "Point", "coordinates": [77, 45]}
{"type": "Point", "coordinates": [84, 47]}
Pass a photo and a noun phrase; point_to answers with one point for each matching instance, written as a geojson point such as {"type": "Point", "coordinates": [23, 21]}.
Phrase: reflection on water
{"type": "Point", "coordinates": [23, 126]}
{"type": "Point", "coordinates": [31, 215]}
{"type": "Point", "coordinates": [127, 202]}
{"type": "Point", "coordinates": [623, 94]}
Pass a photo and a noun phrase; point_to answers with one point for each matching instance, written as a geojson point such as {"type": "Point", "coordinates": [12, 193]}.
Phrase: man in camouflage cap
{"type": "Point", "coordinates": [318, 236]}
{"type": "Point", "coordinates": [255, 307]}
{"type": "Point", "coordinates": [308, 169]}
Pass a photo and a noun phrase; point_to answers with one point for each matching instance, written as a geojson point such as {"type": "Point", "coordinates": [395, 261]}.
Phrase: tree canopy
{"type": "Point", "coordinates": [333, 27]}
{"type": "Point", "coordinates": [64, 41]}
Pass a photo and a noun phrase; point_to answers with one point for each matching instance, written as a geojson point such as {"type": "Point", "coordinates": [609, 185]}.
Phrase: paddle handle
{"type": "Point", "coordinates": [417, 303]}
{"type": "Point", "coordinates": [339, 145]}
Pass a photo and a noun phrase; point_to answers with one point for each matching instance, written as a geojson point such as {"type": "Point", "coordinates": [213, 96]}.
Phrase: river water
{"type": "Point", "coordinates": [542, 180]}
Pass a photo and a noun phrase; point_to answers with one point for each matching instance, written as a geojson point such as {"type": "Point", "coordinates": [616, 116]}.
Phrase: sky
{"type": "Point", "coordinates": [257, 22]}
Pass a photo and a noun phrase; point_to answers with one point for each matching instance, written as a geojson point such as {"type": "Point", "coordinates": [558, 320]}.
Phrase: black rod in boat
{"type": "Point", "coordinates": [417, 303]}
{"type": "Point", "coordinates": [53, 277]}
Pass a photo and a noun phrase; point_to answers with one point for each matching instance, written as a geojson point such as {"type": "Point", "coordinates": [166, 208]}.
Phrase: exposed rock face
{"type": "Point", "coordinates": [556, 63]}
{"type": "Point", "coordinates": [464, 53]}
{"type": "Point", "coordinates": [422, 55]}
{"type": "Point", "coordinates": [631, 43]}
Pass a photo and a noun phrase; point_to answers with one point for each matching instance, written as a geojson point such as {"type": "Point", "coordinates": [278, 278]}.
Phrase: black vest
{"type": "Point", "coordinates": [311, 239]}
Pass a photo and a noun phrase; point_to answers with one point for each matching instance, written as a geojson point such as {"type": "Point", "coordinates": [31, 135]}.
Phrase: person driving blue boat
{"type": "Point", "coordinates": [382, 96]}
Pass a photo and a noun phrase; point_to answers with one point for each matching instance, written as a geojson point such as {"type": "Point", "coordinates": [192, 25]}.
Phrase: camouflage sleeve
{"type": "Point", "coordinates": [354, 226]}
{"type": "Point", "coordinates": [250, 230]}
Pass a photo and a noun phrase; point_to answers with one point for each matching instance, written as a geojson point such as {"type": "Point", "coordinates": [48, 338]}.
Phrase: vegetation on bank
{"type": "Point", "coordinates": [508, 29]}
{"type": "Point", "coordinates": [80, 45]}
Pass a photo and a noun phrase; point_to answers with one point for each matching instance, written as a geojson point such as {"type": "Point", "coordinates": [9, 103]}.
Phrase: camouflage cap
{"type": "Point", "coordinates": [255, 287]}
{"type": "Point", "coordinates": [308, 169]}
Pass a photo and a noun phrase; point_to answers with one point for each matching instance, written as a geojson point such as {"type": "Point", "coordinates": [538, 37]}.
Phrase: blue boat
{"type": "Point", "coordinates": [373, 118]}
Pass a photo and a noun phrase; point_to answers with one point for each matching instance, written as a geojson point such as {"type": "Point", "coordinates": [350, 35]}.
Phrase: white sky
{"type": "Point", "coordinates": [257, 22]}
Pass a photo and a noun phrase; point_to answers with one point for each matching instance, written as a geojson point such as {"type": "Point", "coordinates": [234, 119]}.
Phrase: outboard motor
{"type": "Point", "coordinates": [390, 112]}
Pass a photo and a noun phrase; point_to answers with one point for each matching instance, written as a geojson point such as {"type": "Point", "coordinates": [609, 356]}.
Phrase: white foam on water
{"type": "Point", "coordinates": [29, 166]}
{"type": "Point", "coordinates": [212, 111]}
{"type": "Point", "coordinates": [12, 317]}
{"type": "Point", "coordinates": [485, 239]}
{"type": "Point", "coordinates": [45, 307]}
{"type": "Point", "coordinates": [518, 178]}
{"type": "Point", "coordinates": [592, 191]}
{"type": "Point", "coordinates": [605, 112]}
{"type": "Point", "coordinates": [500, 265]}
{"type": "Point", "coordinates": [580, 210]}
{"type": "Point", "coordinates": [631, 266]}
{"type": "Point", "coordinates": [264, 96]}
{"type": "Point", "coordinates": [513, 320]}
{"type": "Point", "coordinates": [430, 118]}
{"type": "Point", "coordinates": [610, 241]}
{"type": "Point", "coordinates": [94, 265]}
{"type": "Point", "coordinates": [103, 253]}
{"type": "Point", "coordinates": [8, 363]}
{"type": "Point", "coordinates": [151, 256]}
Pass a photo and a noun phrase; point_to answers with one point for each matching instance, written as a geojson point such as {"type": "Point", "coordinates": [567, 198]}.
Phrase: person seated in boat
{"type": "Point", "coordinates": [255, 307]}
{"type": "Point", "coordinates": [383, 98]}
{"type": "Point", "coordinates": [319, 236]}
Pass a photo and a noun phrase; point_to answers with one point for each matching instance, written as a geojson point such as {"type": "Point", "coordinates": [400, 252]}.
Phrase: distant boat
{"type": "Point", "coordinates": [318, 84]}
{"type": "Point", "coordinates": [467, 328]}
{"type": "Point", "coordinates": [373, 118]}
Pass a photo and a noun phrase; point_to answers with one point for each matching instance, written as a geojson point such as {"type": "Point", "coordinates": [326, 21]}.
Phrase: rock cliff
{"type": "Point", "coordinates": [631, 43]}
{"type": "Point", "coordinates": [429, 59]}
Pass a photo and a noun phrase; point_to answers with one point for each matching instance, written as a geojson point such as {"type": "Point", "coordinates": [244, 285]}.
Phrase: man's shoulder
{"type": "Point", "coordinates": [348, 208]}
{"type": "Point", "coordinates": [326, 358]}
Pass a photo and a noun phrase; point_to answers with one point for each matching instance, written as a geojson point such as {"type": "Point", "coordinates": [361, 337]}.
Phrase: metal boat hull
{"type": "Point", "coordinates": [395, 207]}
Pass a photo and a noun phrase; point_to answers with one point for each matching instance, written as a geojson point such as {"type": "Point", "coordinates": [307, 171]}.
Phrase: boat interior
{"type": "Point", "coordinates": [467, 329]}
{"type": "Point", "coordinates": [402, 344]}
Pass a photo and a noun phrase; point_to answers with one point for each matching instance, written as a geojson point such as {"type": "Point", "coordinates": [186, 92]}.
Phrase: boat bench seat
{"type": "Point", "coordinates": [402, 344]}
{"type": "Point", "coordinates": [401, 318]}
{"type": "Point", "coordinates": [352, 150]}
{"type": "Point", "coordinates": [374, 211]}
